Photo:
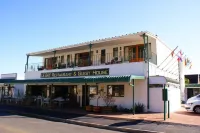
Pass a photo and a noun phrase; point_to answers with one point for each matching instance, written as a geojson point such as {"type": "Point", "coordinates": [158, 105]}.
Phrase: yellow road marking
{"type": "Point", "coordinates": [12, 129]}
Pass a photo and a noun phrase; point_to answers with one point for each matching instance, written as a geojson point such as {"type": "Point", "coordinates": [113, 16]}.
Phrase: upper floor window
{"type": "Point", "coordinates": [115, 52]}
{"type": "Point", "coordinates": [62, 59]}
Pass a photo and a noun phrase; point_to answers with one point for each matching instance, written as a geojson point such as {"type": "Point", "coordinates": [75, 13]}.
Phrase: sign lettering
{"type": "Point", "coordinates": [95, 72]}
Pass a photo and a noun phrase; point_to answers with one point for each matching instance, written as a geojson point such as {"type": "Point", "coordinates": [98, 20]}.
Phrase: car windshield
{"type": "Point", "coordinates": [198, 96]}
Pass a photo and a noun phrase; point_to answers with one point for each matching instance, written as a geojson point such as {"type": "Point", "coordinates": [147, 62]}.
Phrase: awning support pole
{"type": "Point", "coordinates": [133, 96]}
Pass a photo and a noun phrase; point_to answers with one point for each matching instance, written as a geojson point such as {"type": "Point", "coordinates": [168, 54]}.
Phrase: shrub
{"type": "Point", "coordinates": [139, 108]}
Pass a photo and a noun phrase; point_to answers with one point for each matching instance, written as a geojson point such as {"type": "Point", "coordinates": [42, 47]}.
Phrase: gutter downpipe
{"type": "Point", "coordinates": [132, 84]}
{"type": "Point", "coordinates": [90, 48]}
{"type": "Point", "coordinates": [145, 38]}
{"type": "Point", "coordinates": [26, 68]}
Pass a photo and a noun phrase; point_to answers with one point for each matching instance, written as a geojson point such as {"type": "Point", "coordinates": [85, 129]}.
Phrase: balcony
{"type": "Point", "coordinates": [84, 61]}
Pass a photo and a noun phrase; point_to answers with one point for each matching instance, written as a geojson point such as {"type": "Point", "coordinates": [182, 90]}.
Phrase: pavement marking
{"type": "Point", "coordinates": [12, 129]}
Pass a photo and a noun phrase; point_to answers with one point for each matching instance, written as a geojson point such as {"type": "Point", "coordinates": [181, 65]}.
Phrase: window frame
{"type": "Point", "coordinates": [96, 89]}
{"type": "Point", "coordinates": [156, 85]}
{"type": "Point", "coordinates": [113, 91]}
{"type": "Point", "coordinates": [62, 59]}
{"type": "Point", "coordinates": [115, 50]}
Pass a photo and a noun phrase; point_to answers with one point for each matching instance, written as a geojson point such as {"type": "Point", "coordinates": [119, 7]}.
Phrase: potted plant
{"type": "Point", "coordinates": [97, 109]}
{"type": "Point", "coordinates": [109, 102]}
{"type": "Point", "coordinates": [89, 107]}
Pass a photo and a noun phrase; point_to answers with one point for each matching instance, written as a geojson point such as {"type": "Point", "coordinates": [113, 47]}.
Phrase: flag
{"type": "Point", "coordinates": [185, 61]}
{"type": "Point", "coordinates": [172, 53]}
{"type": "Point", "coordinates": [190, 66]}
{"type": "Point", "coordinates": [179, 59]}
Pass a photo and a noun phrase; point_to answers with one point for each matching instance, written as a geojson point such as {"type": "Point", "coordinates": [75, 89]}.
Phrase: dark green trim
{"type": "Point", "coordinates": [90, 48]}
{"type": "Point", "coordinates": [54, 53]}
{"type": "Point", "coordinates": [192, 85]}
{"type": "Point", "coordinates": [133, 97]}
{"type": "Point", "coordinates": [27, 58]}
{"type": "Point", "coordinates": [164, 107]}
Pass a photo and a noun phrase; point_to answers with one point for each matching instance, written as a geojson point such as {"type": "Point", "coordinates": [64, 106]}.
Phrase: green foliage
{"type": "Point", "coordinates": [187, 81]}
{"type": "Point", "coordinates": [139, 108]}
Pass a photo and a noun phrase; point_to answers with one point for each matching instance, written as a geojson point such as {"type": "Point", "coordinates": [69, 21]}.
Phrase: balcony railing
{"type": "Point", "coordinates": [95, 60]}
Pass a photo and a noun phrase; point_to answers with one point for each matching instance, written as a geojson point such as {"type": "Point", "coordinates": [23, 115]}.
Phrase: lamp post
{"type": "Point", "coordinates": [146, 50]}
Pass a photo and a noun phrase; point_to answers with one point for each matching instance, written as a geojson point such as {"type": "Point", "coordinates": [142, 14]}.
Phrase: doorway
{"type": "Point", "coordinates": [85, 95]}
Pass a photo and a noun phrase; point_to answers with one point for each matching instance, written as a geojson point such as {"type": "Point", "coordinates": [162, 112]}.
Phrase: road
{"type": "Point", "coordinates": [21, 124]}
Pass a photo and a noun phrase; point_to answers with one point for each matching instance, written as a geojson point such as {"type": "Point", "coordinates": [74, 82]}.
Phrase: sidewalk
{"type": "Point", "coordinates": [179, 117]}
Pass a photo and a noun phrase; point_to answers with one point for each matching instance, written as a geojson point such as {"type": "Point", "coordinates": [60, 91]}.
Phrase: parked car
{"type": "Point", "coordinates": [193, 104]}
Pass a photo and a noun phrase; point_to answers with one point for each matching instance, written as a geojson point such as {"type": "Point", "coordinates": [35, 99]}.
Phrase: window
{"type": "Point", "coordinates": [115, 52]}
{"type": "Point", "coordinates": [115, 90]}
{"type": "Point", "coordinates": [62, 59]}
{"type": "Point", "coordinates": [93, 90]}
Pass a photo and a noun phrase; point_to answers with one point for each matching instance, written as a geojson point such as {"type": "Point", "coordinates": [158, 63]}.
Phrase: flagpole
{"type": "Point", "coordinates": [167, 57]}
{"type": "Point", "coordinates": [172, 66]}
{"type": "Point", "coordinates": [170, 60]}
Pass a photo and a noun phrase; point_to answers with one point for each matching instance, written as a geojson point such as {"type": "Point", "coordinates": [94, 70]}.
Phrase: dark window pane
{"type": "Point", "coordinates": [116, 90]}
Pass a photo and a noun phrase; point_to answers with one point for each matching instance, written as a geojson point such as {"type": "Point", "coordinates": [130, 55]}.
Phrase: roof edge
{"type": "Point", "coordinates": [89, 42]}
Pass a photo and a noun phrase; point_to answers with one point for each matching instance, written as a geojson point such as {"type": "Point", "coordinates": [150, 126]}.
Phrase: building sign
{"type": "Point", "coordinates": [9, 76]}
{"type": "Point", "coordinates": [95, 72]}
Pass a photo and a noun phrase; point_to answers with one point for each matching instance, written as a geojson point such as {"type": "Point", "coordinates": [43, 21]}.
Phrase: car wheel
{"type": "Point", "coordinates": [197, 109]}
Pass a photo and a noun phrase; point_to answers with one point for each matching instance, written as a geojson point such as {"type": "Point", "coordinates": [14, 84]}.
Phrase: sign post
{"type": "Point", "coordinates": [165, 99]}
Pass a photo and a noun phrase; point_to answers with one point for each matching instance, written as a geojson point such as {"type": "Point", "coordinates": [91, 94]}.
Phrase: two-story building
{"type": "Point", "coordinates": [128, 67]}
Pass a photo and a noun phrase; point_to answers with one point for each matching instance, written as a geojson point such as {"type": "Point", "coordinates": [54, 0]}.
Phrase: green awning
{"type": "Point", "coordinates": [55, 80]}
{"type": "Point", "coordinates": [103, 79]}
{"type": "Point", "coordinates": [192, 85]}
{"type": "Point", "coordinates": [91, 79]}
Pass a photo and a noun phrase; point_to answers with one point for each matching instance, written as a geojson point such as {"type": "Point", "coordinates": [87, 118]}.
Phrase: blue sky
{"type": "Point", "coordinates": [33, 25]}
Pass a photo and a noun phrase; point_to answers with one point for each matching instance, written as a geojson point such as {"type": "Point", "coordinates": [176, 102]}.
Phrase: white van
{"type": "Point", "coordinates": [193, 104]}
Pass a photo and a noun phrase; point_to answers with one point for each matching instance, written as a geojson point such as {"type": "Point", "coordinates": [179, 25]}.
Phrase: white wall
{"type": "Point", "coordinates": [157, 104]}
{"type": "Point", "coordinates": [167, 67]}
{"type": "Point", "coordinates": [136, 68]}
{"type": "Point", "coordinates": [127, 101]}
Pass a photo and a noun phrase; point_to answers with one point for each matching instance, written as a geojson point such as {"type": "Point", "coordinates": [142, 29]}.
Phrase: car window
{"type": "Point", "coordinates": [198, 96]}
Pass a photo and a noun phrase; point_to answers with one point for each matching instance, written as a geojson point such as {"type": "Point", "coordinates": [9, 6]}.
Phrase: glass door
{"type": "Point", "coordinates": [133, 54]}
{"type": "Point", "coordinates": [141, 53]}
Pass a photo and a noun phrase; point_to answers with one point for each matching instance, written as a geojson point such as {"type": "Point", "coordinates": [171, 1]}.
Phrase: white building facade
{"type": "Point", "coordinates": [142, 57]}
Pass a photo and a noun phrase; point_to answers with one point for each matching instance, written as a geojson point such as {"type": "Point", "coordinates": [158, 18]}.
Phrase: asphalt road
{"type": "Point", "coordinates": [21, 124]}
{"type": "Point", "coordinates": [63, 127]}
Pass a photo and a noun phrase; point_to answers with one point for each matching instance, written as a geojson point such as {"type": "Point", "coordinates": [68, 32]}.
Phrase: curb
{"type": "Point", "coordinates": [81, 123]}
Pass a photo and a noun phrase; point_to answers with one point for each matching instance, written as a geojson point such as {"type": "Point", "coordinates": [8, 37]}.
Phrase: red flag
{"type": "Point", "coordinates": [172, 53]}
{"type": "Point", "coordinates": [190, 66]}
